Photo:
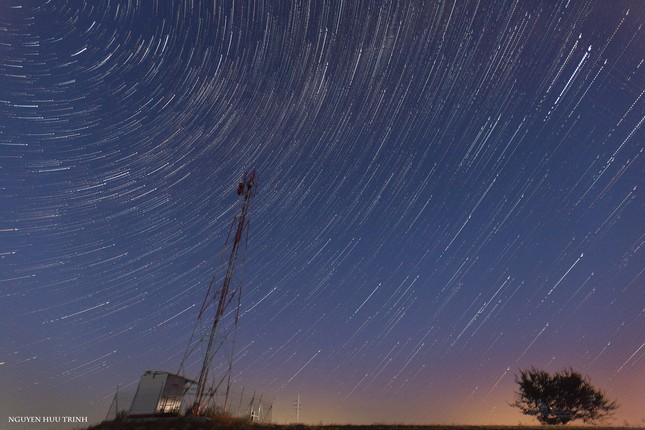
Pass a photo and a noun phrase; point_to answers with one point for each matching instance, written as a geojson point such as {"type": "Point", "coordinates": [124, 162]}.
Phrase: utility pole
{"type": "Point", "coordinates": [115, 403]}
{"type": "Point", "coordinates": [298, 405]}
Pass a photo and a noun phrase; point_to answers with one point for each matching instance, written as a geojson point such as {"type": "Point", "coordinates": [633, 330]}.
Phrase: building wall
{"type": "Point", "coordinates": [149, 393]}
{"type": "Point", "coordinates": [158, 393]}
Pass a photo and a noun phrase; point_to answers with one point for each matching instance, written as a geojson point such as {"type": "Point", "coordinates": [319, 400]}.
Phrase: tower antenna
{"type": "Point", "coordinates": [245, 191]}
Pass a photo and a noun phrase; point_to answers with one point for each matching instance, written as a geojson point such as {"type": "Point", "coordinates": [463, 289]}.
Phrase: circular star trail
{"type": "Point", "coordinates": [447, 192]}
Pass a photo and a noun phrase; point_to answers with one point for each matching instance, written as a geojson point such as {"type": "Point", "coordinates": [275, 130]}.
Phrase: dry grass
{"type": "Point", "coordinates": [226, 422]}
{"type": "Point", "coordinates": [175, 423]}
{"type": "Point", "coordinates": [453, 427]}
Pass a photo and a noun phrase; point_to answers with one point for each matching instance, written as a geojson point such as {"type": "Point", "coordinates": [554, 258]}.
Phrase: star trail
{"type": "Point", "coordinates": [447, 192]}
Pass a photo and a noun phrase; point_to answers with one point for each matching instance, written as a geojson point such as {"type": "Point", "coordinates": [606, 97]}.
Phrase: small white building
{"type": "Point", "coordinates": [159, 393]}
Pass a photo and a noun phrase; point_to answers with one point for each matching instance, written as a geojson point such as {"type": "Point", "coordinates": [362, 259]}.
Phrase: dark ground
{"type": "Point", "coordinates": [196, 423]}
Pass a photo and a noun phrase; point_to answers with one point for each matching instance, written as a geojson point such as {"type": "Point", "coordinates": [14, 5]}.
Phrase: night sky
{"type": "Point", "coordinates": [447, 193]}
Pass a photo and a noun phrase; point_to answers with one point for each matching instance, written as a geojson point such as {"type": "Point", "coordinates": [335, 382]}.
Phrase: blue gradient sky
{"type": "Point", "coordinates": [447, 192]}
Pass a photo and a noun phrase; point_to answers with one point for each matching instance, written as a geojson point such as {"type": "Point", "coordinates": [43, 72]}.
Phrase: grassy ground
{"type": "Point", "coordinates": [199, 423]}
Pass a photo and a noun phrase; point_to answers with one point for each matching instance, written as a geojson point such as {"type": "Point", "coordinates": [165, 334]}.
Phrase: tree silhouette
{"type": "Point", "coordinates": [560, 398]}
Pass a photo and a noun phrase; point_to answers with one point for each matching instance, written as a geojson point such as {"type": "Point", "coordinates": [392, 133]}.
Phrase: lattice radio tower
{"type": "Point", "coordinates": [224, 297]}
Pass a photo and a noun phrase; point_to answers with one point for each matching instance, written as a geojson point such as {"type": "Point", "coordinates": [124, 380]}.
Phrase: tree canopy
{"type": "Point", "coordinates": [560, 398]}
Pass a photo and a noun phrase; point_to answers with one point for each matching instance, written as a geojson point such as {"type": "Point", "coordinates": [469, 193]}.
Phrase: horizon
{"type": "Point", "coordinates": [447, 193]}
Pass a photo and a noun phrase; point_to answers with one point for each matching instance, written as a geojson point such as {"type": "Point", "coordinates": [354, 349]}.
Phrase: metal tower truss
{"type": "Point", "coordinates": [215, 374]}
